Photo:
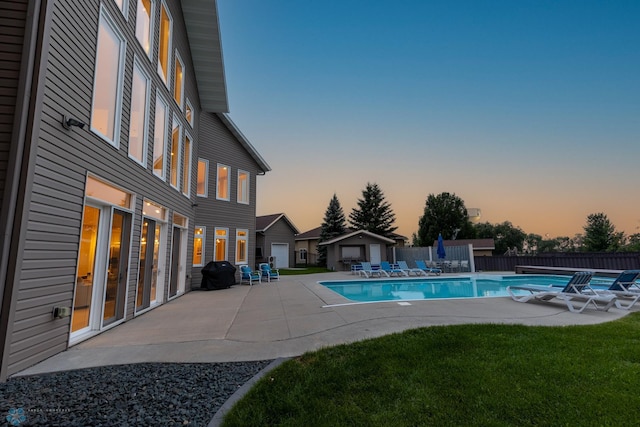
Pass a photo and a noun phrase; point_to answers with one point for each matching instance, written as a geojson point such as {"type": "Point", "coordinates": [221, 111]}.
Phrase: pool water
{"type": "Point", "coordinates": [374, 290]}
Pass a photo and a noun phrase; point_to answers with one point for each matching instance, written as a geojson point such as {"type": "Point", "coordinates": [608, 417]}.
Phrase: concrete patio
{"type": "Point", "coordinates": [286, 318]}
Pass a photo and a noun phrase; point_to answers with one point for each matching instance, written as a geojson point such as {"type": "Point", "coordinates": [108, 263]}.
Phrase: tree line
{"type": "Point", "coordinates": [446, 214]}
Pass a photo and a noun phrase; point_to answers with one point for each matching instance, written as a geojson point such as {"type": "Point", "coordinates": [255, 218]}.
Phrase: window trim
{"type": "Point", "coordinates": [203, 237]}
{"type": "Point", "coordinates": [226, 245]}
{"type": "Point", "coordinates": [152, 14]}
{"type": "Point", "coordinates": [176, 120]}
{"type": "Point", "coordinates": [246, 247]}
{"type": "Point", "coordinates": [178, 58]}
{"type": "Point", "coordinates": [167, 80]}
{"type": "Point", "coordinates": [124, 9]}
{"type": "Point", "coordinates": [206, 178]}
{"type": "Point", "coordinates": [167, 111]}
{"type": "Point", "coordinates": [107, 19]}
{"type": "Point", "coordinates": [228, 198]}
{"type": "Point", "coordinates": [145, 124]}
{"type": "Point", "coordinates": [189, 107]}
{"type": "Point", "coordinates": [186, 173]}
{"type": "Point", "coordinates": [248, 195]}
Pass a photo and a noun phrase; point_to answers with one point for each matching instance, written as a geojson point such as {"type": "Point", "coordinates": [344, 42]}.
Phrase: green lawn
{"type": "Point", "coordinates": [302, 270]}
{"type": "Point", "coordinates": [488, 375]}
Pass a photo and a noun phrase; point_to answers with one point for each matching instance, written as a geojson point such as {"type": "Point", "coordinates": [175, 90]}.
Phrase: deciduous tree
{"type": "Point", "coordinates": [446, 214]}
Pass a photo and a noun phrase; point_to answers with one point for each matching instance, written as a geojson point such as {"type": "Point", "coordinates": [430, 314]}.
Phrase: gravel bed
{"type": "Point", "coordinates": [146, 394]}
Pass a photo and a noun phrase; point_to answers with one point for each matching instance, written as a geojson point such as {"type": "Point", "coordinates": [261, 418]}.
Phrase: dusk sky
{"type": "Point", "coordinates": [527, 110]}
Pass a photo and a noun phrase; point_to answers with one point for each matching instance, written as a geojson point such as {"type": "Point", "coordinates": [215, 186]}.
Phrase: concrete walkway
{"type": "Point", "coordinates": [283, 319]}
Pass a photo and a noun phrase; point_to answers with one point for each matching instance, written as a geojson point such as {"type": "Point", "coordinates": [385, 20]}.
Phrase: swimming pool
{"type": "Point", "coordinates": [442, 287]}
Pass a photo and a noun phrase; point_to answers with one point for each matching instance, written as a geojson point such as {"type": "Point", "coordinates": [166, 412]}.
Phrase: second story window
{"type": "Point", "coordinates": [175, 154]}
{"type": "Point", "coordinates": [160, 137]}
{"type": "Point", "coordinates": [186, 166]}
{"type": "Point", "coordinates": [178, 81]}
{"type": "Point", "coordinates": [222, 185]}
{"type": "Point", "coordinates": [243, 187]}
{"type": "Point", "coordinates": [188, 112]}
{"type": "Point", "coordinates": [164, 43]}
{"type": "Point", "coordinates": [144, 25]}
{"type": "Point", "coordinates": [203, 175]}
{"type": "Point", "coordinates": [107, 84]}
{"type": "Point", "coordinates": [139, 112]}
{"type": "Point", "coordinates": [123, 5]}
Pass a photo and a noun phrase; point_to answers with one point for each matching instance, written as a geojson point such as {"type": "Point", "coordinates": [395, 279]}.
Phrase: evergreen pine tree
{"type": "Point", "coordinates": [332, 226]}
{"type": "Point", "coordinates": [373, 213]}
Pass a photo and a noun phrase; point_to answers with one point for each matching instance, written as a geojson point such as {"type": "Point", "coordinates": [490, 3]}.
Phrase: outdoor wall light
{"type": "Point", "coordinates": [61, 312]}
{"type": "Point", "coordinates": [67, 122]}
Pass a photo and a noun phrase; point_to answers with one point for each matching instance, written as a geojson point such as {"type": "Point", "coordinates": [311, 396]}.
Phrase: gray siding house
{"type": "Point", "coordinates": [275, 240]}
{"type": "Point", "coordinates": [107, 107]}
{"type": "Point", "coordinates": [226, 206]}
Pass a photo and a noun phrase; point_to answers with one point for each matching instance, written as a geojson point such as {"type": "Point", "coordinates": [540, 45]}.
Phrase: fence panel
{"type": "Point", "coordinates": [596, 260]}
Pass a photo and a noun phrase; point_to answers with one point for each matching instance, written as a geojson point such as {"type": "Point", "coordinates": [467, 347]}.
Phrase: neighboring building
{"type": "Point", "coordinates": [275, 240]}
{"type": "Point", "coordinates": [226, 205]}
{"type": "Point", "coordinates": [98, 209]}
{"type": "Point", "coordinates": [307, 244]}
{"type": "Point", "coordinates": [481, 247]}
{"type": "Point", "coordinates": [354, 247]}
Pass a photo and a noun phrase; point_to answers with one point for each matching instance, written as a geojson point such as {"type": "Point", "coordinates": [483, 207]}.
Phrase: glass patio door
{"type": "Point", "coordinates": [175, 261]}
{"type": "Point", "coordinates": [147, 293]}
{"type": "Point", "coordinates": [117, 267]}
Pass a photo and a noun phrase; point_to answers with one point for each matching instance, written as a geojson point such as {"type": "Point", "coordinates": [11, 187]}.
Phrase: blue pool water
{"type": "Point", "coordinates": [375, 290]}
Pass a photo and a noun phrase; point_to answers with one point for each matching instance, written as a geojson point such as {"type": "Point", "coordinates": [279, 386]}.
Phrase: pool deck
{"type": "Point", "coordinates": [287, 318]}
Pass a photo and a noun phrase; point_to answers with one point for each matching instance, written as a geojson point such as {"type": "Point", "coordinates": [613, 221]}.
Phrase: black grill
{"type": "Point", "coordinates": [218, 275]}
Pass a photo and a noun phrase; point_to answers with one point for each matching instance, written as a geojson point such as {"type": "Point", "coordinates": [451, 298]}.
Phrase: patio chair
{"type": "Point", "coordinates": [573, 292]}
{"type": "Point", "coordinates": [368, 271]}
{"type": "Point", "coordinates": [247, 275]}
{"type": "Point", "coordinates": [454, 265]}
{"type": "Point", "coordinates": [464, 265]}
{"type": "Point", "coordinates": [391, 271]}
{"type": "Point", "coordinates": [269, 273]}
{"type": "Point", "coordinates": [428, 270]}
{"type": "Point", "coordinates": [625, 288]}
{"type": "Point", "coordinates": [417, 271]}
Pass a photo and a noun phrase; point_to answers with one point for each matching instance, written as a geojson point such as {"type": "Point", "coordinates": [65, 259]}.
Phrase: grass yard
{"type": "Point", "coordinates": [303, 270]}
{"type": "Point", "coordinates": [489, 375]}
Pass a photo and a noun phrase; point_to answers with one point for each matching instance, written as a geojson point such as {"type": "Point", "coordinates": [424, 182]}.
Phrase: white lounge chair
{"type": "Point", "coordinates": [368, 271]}
{"type": "Point", "coordinates": [415, 271]}
{"type": "Point", "coordinates": [625, 288]}
{"type": "Point", "coordinates": [573, 292]}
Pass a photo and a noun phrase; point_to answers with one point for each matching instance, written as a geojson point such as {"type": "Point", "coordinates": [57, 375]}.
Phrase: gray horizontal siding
{"type": "Point", "coordinates": [280, 232]}
{"type": "Point", "coordinates": [12, 24]}
{"type": "Point", "coordinates": [218, 145]}
{"type": "Point", "coordinates": [64, 158]}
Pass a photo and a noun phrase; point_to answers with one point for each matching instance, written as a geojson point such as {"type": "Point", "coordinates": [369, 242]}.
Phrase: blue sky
{"type": "Point", "coordinates": [528, 110]}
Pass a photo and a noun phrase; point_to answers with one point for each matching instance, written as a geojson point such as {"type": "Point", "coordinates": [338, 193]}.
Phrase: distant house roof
{"type": "Point", "coordinates": [486, 244]}
{"type": "Point", "coordinates": [314, 234]}
{"type": "Point", "coordinates": [226, 120]}
{"type": "Point", "coordinates": [355, 233]}
{"type": "Point", "coordinates": [264, 222]}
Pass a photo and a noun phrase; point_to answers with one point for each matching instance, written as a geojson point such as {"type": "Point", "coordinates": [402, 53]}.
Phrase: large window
{"type": "Point", "coordinates": [220, 245]}
{"type": "Point", "coordinates": [203, 174]}
{"type": "Point", "coordinates": [160, 137]}
{"type": "Point", "coordinates": [139, 112]}
{"type": "Point", "coordinates": [164, 46]}
{"type": "Point", "coordinates": [178, 81]}
{"type": "Point", "coordinates": [222, 186]}
{"type": "Point", "coordinates": [107, 84]}
{"type": "Point", "coordinates": [144, 25]}
{"type": "Point", "coordinates": [243, 187]}
{"type": "Point", "coordinates": [175, 153]}
{"type": "Point", "coordinates": [242, 246]}
{"type": "Point", "coordinates": [198, 246]}
{"type": "Point", "coordinates": [186, 166]}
